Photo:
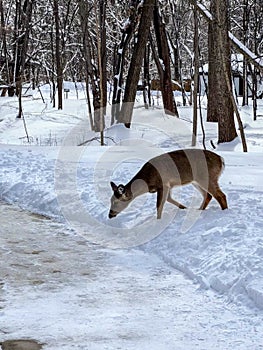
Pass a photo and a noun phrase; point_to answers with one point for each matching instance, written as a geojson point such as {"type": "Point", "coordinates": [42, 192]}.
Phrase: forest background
{"type": "Point", "coordinates": [118, 48]}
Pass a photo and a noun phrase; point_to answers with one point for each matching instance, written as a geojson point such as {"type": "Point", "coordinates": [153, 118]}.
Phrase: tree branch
{"type": "Point", "coordinates": [239, 46]}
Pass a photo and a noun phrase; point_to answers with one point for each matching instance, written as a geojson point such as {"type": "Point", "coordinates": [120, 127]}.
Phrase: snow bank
{"type": "Point", "coordinates": [218, 249]}
{"type": "Point", "coordinates": [222, 250]}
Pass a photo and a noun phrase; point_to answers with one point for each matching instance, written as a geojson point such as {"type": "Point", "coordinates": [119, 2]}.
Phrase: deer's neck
{"type": "Point", "coordinates": [137, 187]}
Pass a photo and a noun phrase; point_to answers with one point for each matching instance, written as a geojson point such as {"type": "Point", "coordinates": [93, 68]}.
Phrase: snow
{"type": "Point", "coordinates": [246, 51]}
{"type": "Point", "coordinates": [104, 299]}
{"type": "Point", "coordinates": [205, 11]}
{"type": "Point", "coordinates": [193, 280]}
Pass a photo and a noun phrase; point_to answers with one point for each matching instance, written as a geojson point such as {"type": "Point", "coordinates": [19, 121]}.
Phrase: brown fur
{"type": "Point", "coordinates": [160, 174]}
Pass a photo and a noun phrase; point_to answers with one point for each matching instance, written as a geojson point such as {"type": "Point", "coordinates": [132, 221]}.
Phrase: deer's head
{"type": "Point", "coordinates": [120, 199]}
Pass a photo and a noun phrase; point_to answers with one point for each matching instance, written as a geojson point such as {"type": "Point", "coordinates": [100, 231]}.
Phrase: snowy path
{"type": "Point", "coordinates": [57, 288]}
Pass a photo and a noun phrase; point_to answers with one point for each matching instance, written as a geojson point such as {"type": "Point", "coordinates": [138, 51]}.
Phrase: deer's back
{"type": "Point", "coordinates": [180, 167]}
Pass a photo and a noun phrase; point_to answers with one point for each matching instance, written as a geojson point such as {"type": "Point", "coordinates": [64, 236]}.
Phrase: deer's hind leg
{"type": "Point", "coordinates": [212, 191]}
{"type": "Point", "coordinates": [206, 196]}
{"type": "Point", "coordinates": [216, 192]}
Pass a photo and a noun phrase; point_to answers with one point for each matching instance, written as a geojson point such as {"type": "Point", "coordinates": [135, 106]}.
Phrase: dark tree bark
{"type": "Point", "coordinates": [164, 69]}
{"type": "Point", "coordinates": [121, 49]}
{"type": "Point", "coordinates": [146, 79]}
{"type": "Point", "coordinates": [88, 49]}
{"type": "Point", "coordinates": [4, 43]}
{"type": "Point", "coordinates": [196, 76]}
{"type": "Point", "coordinates": [220, 106]}
{"type": "Point", "coordinates": [136, 62]}
{"type": "Point", "coordinates": [22, 30]}
{"type": "Point", "coordinates": [58, 56]}
{"type": "Point", "coordinates": [245, 23]}
{"type": "Point", "coordinates": [94, 52]}
{"type": "Point", "coordinates": [53, 69]}
{"type": "Point", "coordinates": [103, 52]}
{"type": "Point", "coordinates": [101, 39]}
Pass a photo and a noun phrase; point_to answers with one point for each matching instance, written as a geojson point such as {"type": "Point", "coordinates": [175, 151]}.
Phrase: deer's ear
{"type": "Point", "coordinates": [113, 186]}
{"type": "Point", "coordinates": [121, 189]}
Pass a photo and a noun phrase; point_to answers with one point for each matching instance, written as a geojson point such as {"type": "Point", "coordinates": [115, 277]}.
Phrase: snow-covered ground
{"type": "Point", "coordinates": [66, 293]}
{"type": "Point", "coordinates": [134, 255]}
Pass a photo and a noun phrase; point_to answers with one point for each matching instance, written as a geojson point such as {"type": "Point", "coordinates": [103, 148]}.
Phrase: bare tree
{"type": "Point", "coordinates": [136, 61]}
{"type": "Point", "coordinates": [94, 52]}
{"type": "Point", "coordinates": [120, 52]}
{"type": "Point", "coordinates": [3, 46]}
{"type": "Point", "coordinates": [196, 76]}
{"type": "Point", "coordinates": [58, 55]}
{"type": "Point", "coordinates": [85, 12]}
{"type": "Point", "coordinates": [164, 63]}
{"type": "Point", "coordinates": [22, 30]}
{"type": "Point", "coordinates": [220, 107]}
{"type": "Point", "coordinates": [101, 42]}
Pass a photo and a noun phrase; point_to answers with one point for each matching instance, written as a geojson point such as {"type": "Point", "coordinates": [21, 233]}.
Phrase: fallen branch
{"type": "Point", "coordinates": [98, 139]}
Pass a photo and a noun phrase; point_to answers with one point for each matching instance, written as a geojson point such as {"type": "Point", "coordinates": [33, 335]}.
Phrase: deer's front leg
{"type": "Point", "coordinates": [172, 201]}
{"type": "Point", "coordinates": [162, 195]}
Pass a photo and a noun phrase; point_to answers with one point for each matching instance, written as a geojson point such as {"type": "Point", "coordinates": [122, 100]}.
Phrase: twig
{"type": "Point", "coordinates": [97, 138]}
{"type": "Point", "coordinates": [25, 127]}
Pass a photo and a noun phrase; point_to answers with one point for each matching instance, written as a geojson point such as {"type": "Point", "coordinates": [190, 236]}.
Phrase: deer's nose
{"type": "Point", "coordinates": [112, 214]}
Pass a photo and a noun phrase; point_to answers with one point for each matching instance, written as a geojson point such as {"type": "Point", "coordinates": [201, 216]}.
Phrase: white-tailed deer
{"type": "Point", "coordinates": [162, 173]}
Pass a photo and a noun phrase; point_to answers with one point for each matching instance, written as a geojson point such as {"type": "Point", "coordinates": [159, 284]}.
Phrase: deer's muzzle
{"type": "Point", "coordinates": [112, 214]}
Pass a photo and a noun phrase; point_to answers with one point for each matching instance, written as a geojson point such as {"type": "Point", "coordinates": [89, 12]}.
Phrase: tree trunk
{"type": "Point", "coordinates": [58, 56]}
{"type": "Point", "coordinates": [121, 49]}
{"type": "Point", "coordinates": [220, 107]}
{"type": "Point", "coordinates": [136, 62]}
{"type": "Point", "coordinates": [4, 44]}
{"type": "Point", "coordinates": [164, 67]}
{"type": "Point", "coordinates": [22, 29]}
{"type": "Point", "coordinates": [53, 66]}
{"type": "Point", "coordinates": [196, 77]}
{"type": "Point", "coordinates": [213, 72]}
{"type": "Point", "coordinates": [246, 11]}
{"type": "Point", "coordinates": [146, 79]}
{"type": "Point", "coordinates": [90, 60]}
{"type": "Point", "coordinates": [101, 39]}
{"type": "Point", "coordinates": [103, 53]}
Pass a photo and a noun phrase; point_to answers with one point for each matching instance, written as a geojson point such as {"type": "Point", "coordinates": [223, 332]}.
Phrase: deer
{"type": "Point", "coordinates": [201, 168]}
